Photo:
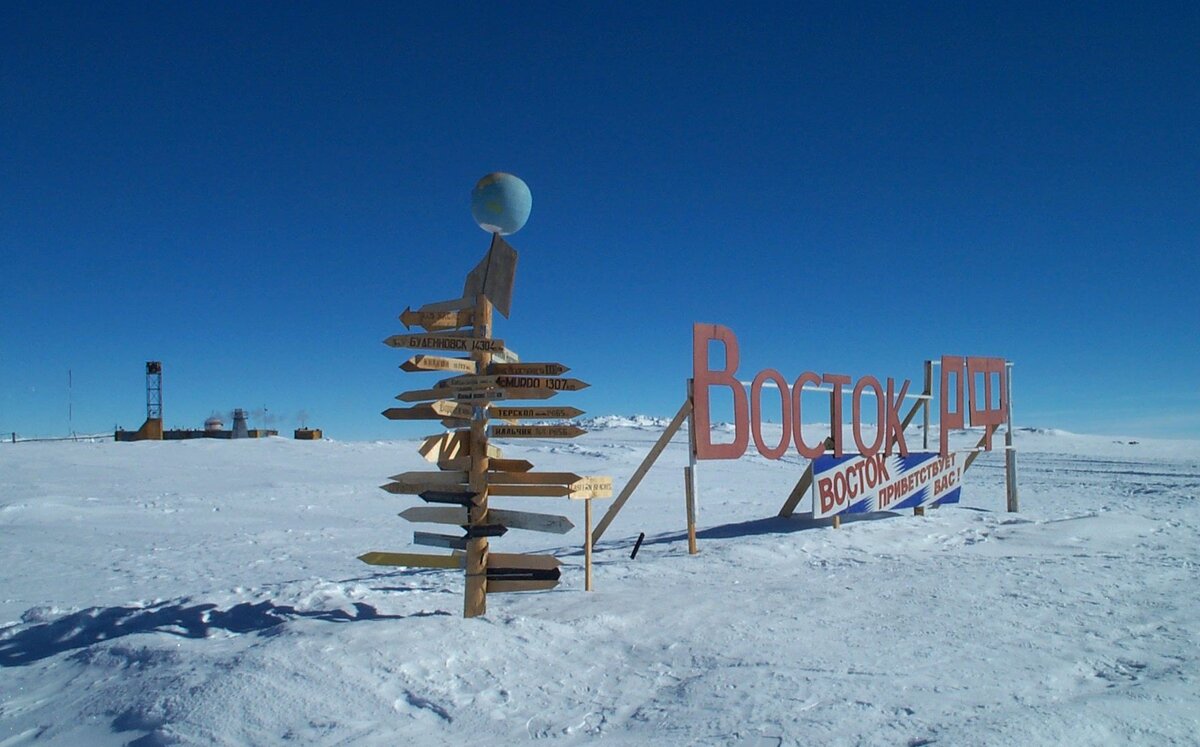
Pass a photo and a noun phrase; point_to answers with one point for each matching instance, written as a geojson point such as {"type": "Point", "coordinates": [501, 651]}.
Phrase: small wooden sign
{"type": "Point", "coordinates": [520, 560]}
{"type": "Point", "coordinates": [504, 381]}
{"type": "Point", "coordinates": [594, 486]}
{"type": "Point", "coordinates": [440, 363]}
{"type": "Point", "coordinates": [530, 521]}
{"type": "Point", "coordinates": [585, 487]}
{"type": "Point", "coordinates": [420, 488]}
{"type": "Point", "coordinates": [435, 515]}
{"type": "Point", "coordinates": [528, 369]}
{"type": "Point", "coordinates": [452, 445]}
{"type": "Point", "coordinates": [535, 431]}
{"type": "Point", "coordinates": [475, 395]}
{"type": "Point", "coordinates": [506, 356]}
{"type": "Point", "coordinates": [450, 341]}
{"type": "Point", "coordinates": [412, 560]}
{"type": "Point", "coordinates": [539, 413]}
{"type": "Point", "coordinates": [434, 320]}
{"type": "Point", "coordinates": [494, 465]}
{"type": "Point", "coordinates": [501, 586]}
{"type": "Point", "coordinates": [532, 478]}
{"type": "Point", "coordinates": [431, 478]}
{"type": "Point", "coordinates": [449, 409]}
{"type": "Point", "coordinates": [420, 412]}
{"type": "Point", "coordinates": [455, 304]}
{"type": "Point", "coordinates": [459, 497]}
{"type": "Point", "coordinates": [431, 539]}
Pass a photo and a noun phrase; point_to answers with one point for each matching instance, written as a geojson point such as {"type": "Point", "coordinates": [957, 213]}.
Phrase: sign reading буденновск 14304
{"type": "Point", "coordinates": [873, 479]}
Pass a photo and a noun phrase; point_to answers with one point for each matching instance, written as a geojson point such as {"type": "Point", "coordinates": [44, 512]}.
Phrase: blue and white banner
{"type": "Point", "coordinates": [853, 484]}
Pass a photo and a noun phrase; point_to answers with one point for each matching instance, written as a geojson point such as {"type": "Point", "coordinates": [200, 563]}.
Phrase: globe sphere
{"type": "Point", "coordinates": [500, 203]}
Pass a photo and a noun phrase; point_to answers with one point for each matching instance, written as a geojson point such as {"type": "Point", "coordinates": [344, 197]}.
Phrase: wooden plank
{"type": "Point", "coordinates": [412, 560]}
{"type": "Point", "coordinates": [431, 539]}
{"type": "Point", "coordinates": [587, 545]}
{"type": "Point", "coordinates": [450, 409]}
{"type": "Point", "coordinates": [420, 412]}
{"type": "Point", "coordinates": [442, 446]}
{"type": "Point", "coordinates": [475, 590]}
{"type": "Point", "coordinates": [459, 497]}
{"type": "Point", "coordinates": [530, 491]}
{"type": "Point", "coordinates": [643, 468]}
{"type": "Point", "coordinates": [528, 369]}
{"type": "Point", "coordinates": [540, 413]}
{"type": "Point", "coordinates": [532, 478]}
{"type": "Point", "coordinates": [447, 341]}
{"type": "Point", "coordinates": [522, 574]}
{"type": "Point", "coordinates": [439, 363]}
{"type": "Point", "coordinates": [500, 586]}
{"type": "Point", "coordinates": [689, 489]}
{"type": "Point", "coordinates": [522, 561]}
{"type": "Point", "coordinates": [466, 302]}
{"type": "Point", "coordinates": [533, 522]}
{"type": "Point", "coordinates": [474, 395]}
{"type": "Point", "coordinates": [801, 487]}
{"type": "Point", "coordinates": [494, 275]}
{"type": "Point", "coordinates": [982, 440]}
{"type": "Point", "coordinates": [435, 515]}
{"type": "Point", "coordinates": [420, 488]}
{"type": "Point", "coordinates": [435, 320]}
{"type": "Point", "coordinates": [535, 431]}
{"type": "Point", "coordinates": [431, 478]}
{"type": "Point", "coordinates": [494, 464]}
{"type": "Point", "coordinates": [505, 381]}
{"type": "Point", "coordinates": [453, 423]}
{"type": "Point", "coordinates": [1012, 499]}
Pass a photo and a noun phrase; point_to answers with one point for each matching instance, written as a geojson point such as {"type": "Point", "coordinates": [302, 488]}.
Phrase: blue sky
{"type": "Point", "coordinates": [252, 192]}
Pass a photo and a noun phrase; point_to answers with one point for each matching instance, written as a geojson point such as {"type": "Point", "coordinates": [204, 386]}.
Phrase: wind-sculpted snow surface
{"type": "Point", "coordinates": [207, 592]}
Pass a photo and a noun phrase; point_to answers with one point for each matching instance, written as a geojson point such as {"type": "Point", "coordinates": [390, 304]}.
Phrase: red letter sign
{"type": "Point", "coordinates": [703, 378]}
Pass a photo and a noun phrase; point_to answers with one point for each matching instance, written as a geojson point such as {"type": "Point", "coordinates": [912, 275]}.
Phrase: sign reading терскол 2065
{"type": "Point", "coordinates": [871, 478]}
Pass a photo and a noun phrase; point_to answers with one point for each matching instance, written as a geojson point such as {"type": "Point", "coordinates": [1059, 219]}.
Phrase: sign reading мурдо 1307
{"type": "Point", "coordinates": [856, 484]}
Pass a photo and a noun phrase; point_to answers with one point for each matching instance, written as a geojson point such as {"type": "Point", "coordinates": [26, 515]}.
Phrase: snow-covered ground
{"type": "Point", "coordinates": [208, 592]}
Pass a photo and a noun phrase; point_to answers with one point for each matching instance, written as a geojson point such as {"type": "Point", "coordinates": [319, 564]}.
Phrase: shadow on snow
{"type": "Point", "coordinates": [97, 624]}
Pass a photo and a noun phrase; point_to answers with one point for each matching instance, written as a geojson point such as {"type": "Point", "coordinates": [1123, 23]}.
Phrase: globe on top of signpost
{"type": "Point", "coordinates": [500, 203]}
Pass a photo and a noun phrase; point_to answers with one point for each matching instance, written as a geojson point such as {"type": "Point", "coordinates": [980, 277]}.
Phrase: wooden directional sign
{"type": "Point", "coordinates": [431, 478]}
{"type": "Point", "coordinates": [493, 276]}
{"type": "Point", "coordinates": [452, 445]}
{"type": "Point", "coordinates": [466, 302]}
{"type": "Point", "coordinates": [475, 395]}
{"type": "Point", "coordinates": [460, 497]}
{"type": "Point", "coordinates": [505, 381]}
{"type": "Point", "coordinates": [449, 409]}
{"type": "Point", "coordinates": [435, 515]}
{"type": "Point", "coordinates": [532, 478]}
{"type": "Point", "coordinates": [495, 465]}
{"type": "Point", "coordinates": [420, 488]}
{"type": "Point", "coordinates": [501, 586]}
{"type": "Point", "coordinates": [430, 539]}
{"type": "Point", "coordinates": [433, 320]}
{"type": "Point", "coordinates": [528, 369]}
{"type": "Point", "coordinates": [484, 530]}
{"type": "Point", "coordinates": [541, 413]}
{"type": "Point", "coordinates": [531, 521]}
{"type": "Point", "coordinates": [535, 431]}
{"type": "Point", "coordinates": [505, 356]}
{"type": "Point", "coordinates": [451, 341]}
{"type": "Point", "coordinates": [584, 487]}
{"type": "Point", "coordinates": [521, 561]}
{"type": "Point", "coordinates": [412, 560]}
{"type": "Point", "coordinates": [440, 363]}
{"type": "Point", "coordinates": [456, 423]}
{"type": "Point", "coordinates": [420, 412]}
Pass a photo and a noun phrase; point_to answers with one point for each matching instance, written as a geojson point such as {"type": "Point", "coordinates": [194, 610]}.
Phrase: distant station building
{"type": "Point", "coordinates": [308, 434]}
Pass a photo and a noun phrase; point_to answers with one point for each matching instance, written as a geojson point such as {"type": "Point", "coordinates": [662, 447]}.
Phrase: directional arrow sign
{"type": "Point", "coordinates": [528, 369]}
{"type": "Point", "coordinates": [496, 465]}
{"type": "Point", "coordinates": [439, 363]}
{"type": "Point", "coordinates": [532, 478]}
{"type": "Point", "coordinates": [518, 561]}
{"type": "Point", "coordinates": [435, 515]}
{"type": "Point", "coordinates": [466, 302]}
{"type": "Point", "coordinates": [523, 413]}
{"type": "Point", "coordinates": [420, 488]}
{"type": "Point", "coordinates": [505, 381]}
{"type": "Point", "coordinates": [522, 574]}
{"type": "Point", "coordinates": [484, 530]}
{"type": "Point", "coordinates": [449, 409]}
{"type": "Point", "coordinates": [472, 395]}
{"type": "Point", "coordinates": [452, 341]}
{"type": "Point", "coordinates": [444, 446]}
{"type": "Point", "coordinates": [531, 491]}
{"type": "Point", "coordinates": [432, 320]}
{"type": "Point", "coordinates": [531, 521]}
{"type": "Point", "coordinates": [431, 478]}
{"type": "Point", "coordinates": [535, 431]}
{"type": "Point", "coordinates": [455, 423]}
{"type": "Point", "coordinates": [413, 560]}
{"type": "Point", "coordinates": [500, 586]}
{"type": "Point", "coordinates": [505, 356]}
{"type": "Point", "coordinates": [420, 412]}
{"type": "Point", "coordinates": [430, 539]}
{"type": "Point", "coordinates": [462, 498]}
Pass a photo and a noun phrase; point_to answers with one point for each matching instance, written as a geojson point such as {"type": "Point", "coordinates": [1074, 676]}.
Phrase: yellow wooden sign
{"type": "Point", "coordinates": [530, 413]}
{"type": "Point", "coordinates": [532, 478]}
{"type": "Point", "coordinates": [495, 465]}
{"type": "Point", "coordinates": [535, 431]}
{"type": "Point", "coordinates": [433, 320]}
{"type": "Point", "coordinates": [439, 363]}
{"type": "Point", "coordinates": [528, 369]}
{"type": "Point", "coordinates": [451, 341]}
{"type": "Point", "coordinates": [413, 560]}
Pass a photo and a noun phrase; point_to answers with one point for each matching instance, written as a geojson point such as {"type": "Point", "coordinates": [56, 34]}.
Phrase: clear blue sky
{"type": "Point", "coordinates": [251, 192]}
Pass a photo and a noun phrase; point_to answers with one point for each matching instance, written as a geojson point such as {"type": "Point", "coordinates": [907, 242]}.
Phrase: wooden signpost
{"type": "Point", "coordinates": [470, 469]}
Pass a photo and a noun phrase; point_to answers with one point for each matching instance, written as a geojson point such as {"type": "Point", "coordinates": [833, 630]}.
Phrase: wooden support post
{"type": "Point", "coordinates": [976, 451]}
{"type": "Point", "coordinates": [689, 491]}
{"type": "Point", "coordinates": [928, 401]}
{"type": "Point", "coordinates": [643, 468]}
{"type": "Point", "coordinates": [475, 594]}
{"type": "Point", "coordinates": [919, 511]}
{"type": "Point", "coordinates": [802, 486]}
{"type": "Point", "coordinates": [1010, 453]}
{"type": "Point", "coordinates": [837, 521]}
{"type": "Point", "coordinates": [587, 544]}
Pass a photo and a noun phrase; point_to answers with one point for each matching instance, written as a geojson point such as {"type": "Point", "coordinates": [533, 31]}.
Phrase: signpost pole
{"type": "Point", "coordinates": [475, 597]}
{"type": "Point", "coordinates": [928, 392]}
{"type": "Point", "coordinates": [1010, 454]}
{"type": "Point", "coordinates": [694, 484]}
{"type": "Point", "coordinates": [689, 477]}
{"type": "Point", "coordinates": [587, 544]}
